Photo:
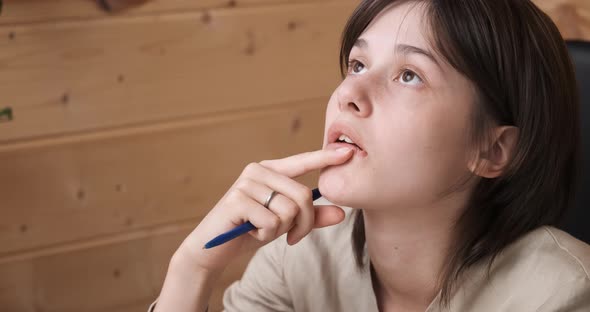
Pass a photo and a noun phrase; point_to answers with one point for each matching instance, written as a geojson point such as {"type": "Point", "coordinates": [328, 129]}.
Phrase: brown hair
{"type": "Point", "coordinates": [517, 61]}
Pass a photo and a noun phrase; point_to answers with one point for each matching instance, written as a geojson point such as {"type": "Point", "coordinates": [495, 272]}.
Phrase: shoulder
{"type": "Point", "coordinates": [575, 254]}
{"type": "Point", "coordinates": [545, 270]}
{"type": "Point", "coordinates": [555, 253]}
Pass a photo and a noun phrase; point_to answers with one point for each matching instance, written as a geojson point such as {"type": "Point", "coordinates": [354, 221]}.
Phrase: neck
{"type": "Point", "coordinates": [408, 251]}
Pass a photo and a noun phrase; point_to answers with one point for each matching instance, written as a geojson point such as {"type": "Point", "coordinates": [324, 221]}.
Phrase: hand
{"type": "Point", "coordinates": [290, 211]}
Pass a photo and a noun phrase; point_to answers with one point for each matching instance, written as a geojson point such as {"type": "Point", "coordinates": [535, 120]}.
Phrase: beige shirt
{"type": "Point", "coordinates": [546, 270]}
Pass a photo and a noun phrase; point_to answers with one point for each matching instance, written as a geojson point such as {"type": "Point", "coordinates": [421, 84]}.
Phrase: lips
{"type": "Point", "coordinates": [338, 129]}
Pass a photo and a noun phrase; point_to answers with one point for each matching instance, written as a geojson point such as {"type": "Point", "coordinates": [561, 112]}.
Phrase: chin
{"type": "Point", "coordinates": [337, 190]}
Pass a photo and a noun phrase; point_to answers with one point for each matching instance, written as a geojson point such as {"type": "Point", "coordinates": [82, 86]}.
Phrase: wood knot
{"type": "Point", "coordinates": [206, 17]}
{"type": "Point", "coordinates": [81, 194]}
{"type": "Point", "coordinates": [296, 125]}
{"type": "Point", "coordinates": [65, 98]}
{"type": "Point", "coordinates": [250, 45]}
{"type": "Point", "coordinates": [291, 26]}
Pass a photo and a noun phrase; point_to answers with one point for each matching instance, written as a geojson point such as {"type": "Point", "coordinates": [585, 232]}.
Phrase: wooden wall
{"type": "Point", "coordinates": [128, 126]}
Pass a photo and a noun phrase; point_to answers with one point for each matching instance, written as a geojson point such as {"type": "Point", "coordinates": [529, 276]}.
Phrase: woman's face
{"type": "Point", "coordinates": [407, 109]}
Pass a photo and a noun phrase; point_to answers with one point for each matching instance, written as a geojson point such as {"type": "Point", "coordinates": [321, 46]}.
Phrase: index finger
{"type": "Point", "coordinates": [296, 165]}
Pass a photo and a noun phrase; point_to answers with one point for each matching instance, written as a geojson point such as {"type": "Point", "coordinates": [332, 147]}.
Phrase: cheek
{"type": "Point", "coordinates": [444, 146]}
{"type": "Point", "coordinates": [445, 126]}
{"type": "Point", "coordinates": [424, 153]}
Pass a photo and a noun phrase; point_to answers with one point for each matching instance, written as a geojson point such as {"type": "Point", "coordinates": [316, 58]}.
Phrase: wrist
{"type": "Point", "coordinates": [190, 262]}
{"type": "Point", "coordinates": [186, 287]}
{"type": "Point", "coordinates": [184, 266]}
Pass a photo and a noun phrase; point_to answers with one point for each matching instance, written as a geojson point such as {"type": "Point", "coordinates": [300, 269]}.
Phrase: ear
{"type": "Point", "coordinates": [492, 162]}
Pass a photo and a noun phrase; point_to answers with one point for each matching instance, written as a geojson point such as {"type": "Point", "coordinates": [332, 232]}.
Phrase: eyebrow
{"type": "Point", "coordinates": [401, 48]}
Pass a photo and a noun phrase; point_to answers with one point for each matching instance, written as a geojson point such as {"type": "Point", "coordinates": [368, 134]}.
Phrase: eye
{"type": "Point", "coordinates": [409, 77]}
{"type": "Point", "coordinates": [356, 67]}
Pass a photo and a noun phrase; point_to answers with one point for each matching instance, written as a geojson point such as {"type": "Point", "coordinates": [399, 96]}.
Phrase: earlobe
{"type": "Point", "coordinates": [492, 162]}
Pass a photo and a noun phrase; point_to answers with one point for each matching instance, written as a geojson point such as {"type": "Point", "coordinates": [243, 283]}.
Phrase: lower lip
{"type": "Point", "coordinates": [357, 150]}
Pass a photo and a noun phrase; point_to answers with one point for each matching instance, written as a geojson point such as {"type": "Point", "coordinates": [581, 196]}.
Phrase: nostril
{"type": "Point", "coordinates": [354, 106]}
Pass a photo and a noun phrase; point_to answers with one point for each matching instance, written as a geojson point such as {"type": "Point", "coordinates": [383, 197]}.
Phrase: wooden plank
{"type": "Point", "coordinates": [571, 16]}
{"type": "Point", "coordinates": [26, 11]}
{"type": "Point", "coordinates": [31, 11]}
{"type": "Point", "coordinates": [81, 76]}
{"type": "Point", "coordinates": [55, 87]}
{"type": "Point", "coordinates": [91, 186]}
{"type": "Point", "coordinates": [126, 276]}
{"type": "Point", "coordinates": [16, 287]}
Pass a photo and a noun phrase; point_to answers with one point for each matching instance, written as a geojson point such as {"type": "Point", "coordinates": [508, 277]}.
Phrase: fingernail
{"type": "Point", "coordinates": [344, 150]}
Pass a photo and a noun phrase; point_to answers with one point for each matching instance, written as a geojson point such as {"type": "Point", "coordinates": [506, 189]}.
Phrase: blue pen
{"type": "Point", "coordinates": [243, 229]}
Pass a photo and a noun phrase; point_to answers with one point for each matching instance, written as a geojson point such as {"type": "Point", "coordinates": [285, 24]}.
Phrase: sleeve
{"type": "Point", "coordinates": [573, 297]}
{"type": "Point", "coordinates": [263, 286]}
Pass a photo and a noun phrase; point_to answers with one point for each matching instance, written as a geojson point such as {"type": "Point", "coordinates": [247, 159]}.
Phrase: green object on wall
{"type": "Point", "coordinates": [6, 113]}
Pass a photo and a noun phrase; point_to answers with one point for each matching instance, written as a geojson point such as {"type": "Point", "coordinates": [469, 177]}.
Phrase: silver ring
{"type": "Point", "coordinates": [269, 198]}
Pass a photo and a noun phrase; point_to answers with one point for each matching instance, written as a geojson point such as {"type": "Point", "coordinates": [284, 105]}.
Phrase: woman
{"type": "Point", "coordinates": [463, 118]}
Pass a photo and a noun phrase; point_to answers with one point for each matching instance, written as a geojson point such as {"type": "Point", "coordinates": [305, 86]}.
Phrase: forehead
{"type": "Point", "coordinates": [402, 22]}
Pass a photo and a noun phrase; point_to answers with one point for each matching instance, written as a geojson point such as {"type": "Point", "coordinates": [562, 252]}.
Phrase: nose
{"type": "Point", "coordinates": [353, 96]}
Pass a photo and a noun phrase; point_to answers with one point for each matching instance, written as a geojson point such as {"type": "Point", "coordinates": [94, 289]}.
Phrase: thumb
{"type": "Point", "coordinates": [326, 215]}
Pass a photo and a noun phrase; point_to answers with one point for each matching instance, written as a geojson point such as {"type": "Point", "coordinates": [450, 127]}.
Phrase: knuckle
{"type": "Point", "coordinates": [264, 163]}
{"type": "Point", "coordinates": [262, 236]}
{"type": "Point", "coordinates": [291, 209]}
{"type": "Point", "coordinates": [250, 168]}
{"type": "Point", "coordinates": [268, 234]}
{"type": "Point", "coordinates": [275, 223]}
{"type": "Point", "coordinates": [235, 195]}
{"type": "Point", "coordinates": [243, 184]}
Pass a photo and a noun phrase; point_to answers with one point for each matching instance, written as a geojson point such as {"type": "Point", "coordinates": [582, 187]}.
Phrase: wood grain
{"type": "Point", "coordinates": [128, 127]}
{"type": "Point", "coordinates": [32, 11]}
{"type": "Point", "coordinates": [58, 193]}
{"type": "Point", "coordinates": [83, 76]}
{"type": "Point", "coordinates": [124, 276]}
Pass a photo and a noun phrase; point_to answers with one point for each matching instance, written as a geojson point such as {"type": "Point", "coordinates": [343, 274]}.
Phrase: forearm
{"type": "Point", "coordinates": [185, 288]}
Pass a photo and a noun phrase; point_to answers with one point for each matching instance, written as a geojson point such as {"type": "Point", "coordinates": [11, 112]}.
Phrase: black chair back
{"type": "Point", "coordinates": [577, 220]}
